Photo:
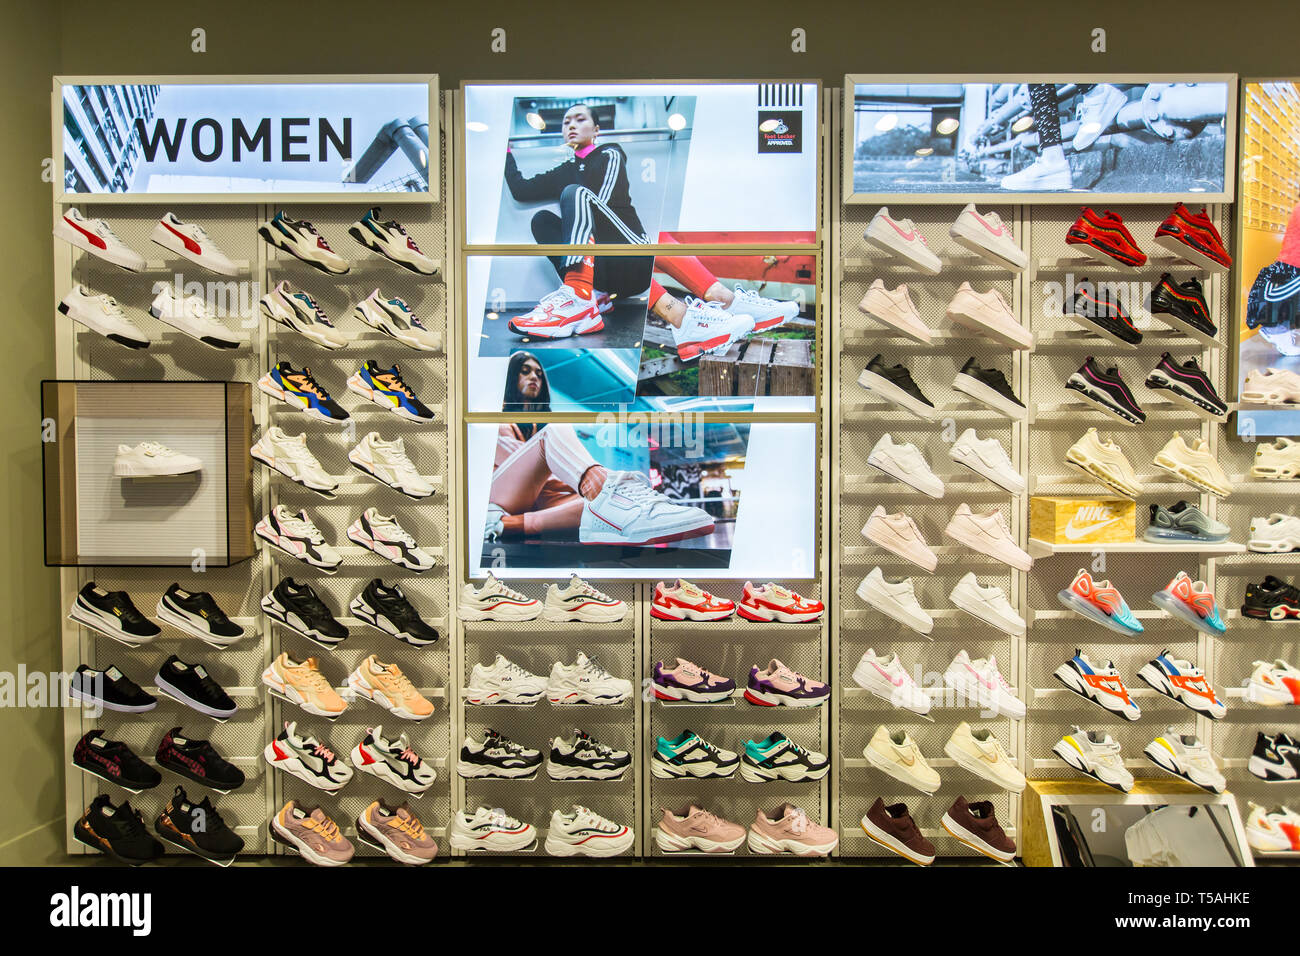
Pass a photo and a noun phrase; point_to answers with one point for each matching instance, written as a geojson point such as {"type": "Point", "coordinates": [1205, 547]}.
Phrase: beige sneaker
{"type": "Point", "coordinates": [303, 684]}
{"type": "Point", "coordinates": [988, 534]}
{"type": "Point", "coordinates": [898, 755]}
{"type": "Point", "coordinates": [989, 313]}
{"type": "Point", "coordinates": [981, 753]}
{"type": "Point", "coordinates": [898, 533]}
{"type": "Point", "coordinates": [1270, 386]}
{"type": "Point", "coordinates": [1103, 460]}
{"type": "Point", "coordinates": [895, 309]}
{"type": "Point", "coordinates": [1194, 464]}
{"type": "Point", "coordinates": [1278, 460]}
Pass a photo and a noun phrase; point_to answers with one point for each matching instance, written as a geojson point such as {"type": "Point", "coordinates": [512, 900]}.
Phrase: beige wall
{"type": "Point", "coordinates": [666, 39]}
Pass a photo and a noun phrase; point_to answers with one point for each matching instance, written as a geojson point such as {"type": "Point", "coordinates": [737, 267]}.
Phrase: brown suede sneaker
{"type": "Point", "coordinates": [892, 828]}
{"type": "Point", "coordinates": [976, 825]}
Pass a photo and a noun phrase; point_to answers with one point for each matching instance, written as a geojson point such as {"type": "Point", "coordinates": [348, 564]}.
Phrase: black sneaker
{"type": "Point", "coordinates": [497, 756]}
{"type": "Point", "coordinates": [1272, 600]}
{"type": "Point", "coordinates": [197, 614]}
{"type": "Point", "coordinates": [1184, 302]}
{"type": "Point", "coordinates": [112, 614]}
{"type": "Point", "coordinates": [113, 761]}
{"type": "Point", "coordinates": [387, 609]}
{"type": "Point", "coordinates": [989, 386]}
{"type": "Point", "coordinates": [110, 689]}
{"type": "Point", "coordinates": [197, 760]}
{"type": "Point", "coordinates": [117, 831]}
{"type": "Point", "coordinates": [895, 385]}
{"type": "Point", "coordinates": [1188, 383]}
{"type": "Point", "coordinates": [191, 685]}
{"type": "Point", "coordinates": [298, 608]}
{"type": "Point", "coordinates": [198, 828]}
{"type": "Point", "coordinates": [1272, 759]}
{"type": "Point", "coordinates": [1099, 309]}
{"type": "Point", "coordinates": [1107, 391]}
{"type": "Point", "coordinates": [583, 757]}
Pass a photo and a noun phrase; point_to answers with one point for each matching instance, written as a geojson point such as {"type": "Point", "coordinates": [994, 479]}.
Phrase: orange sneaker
{"type": "Point", "coordinates": [303, 684]}
{"type": "Point", "coordinates": [386, 685]}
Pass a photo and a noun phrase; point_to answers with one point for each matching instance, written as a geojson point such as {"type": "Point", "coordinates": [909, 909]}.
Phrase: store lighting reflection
{"type": "Point", "coordinates": [925, 151]}
{"type": "Point", "coordinates": [886, 122]}
{"type": "Point", "coordinates": [474, 126]}
{"type": "Point", "coordinates": [1022, 124]}
{"type": "Point", "coordinates": [948, 126]}
{"type": "Point", "coordinates": [535, 121]}
{"type": "Point", "coordinates": [676, 121]}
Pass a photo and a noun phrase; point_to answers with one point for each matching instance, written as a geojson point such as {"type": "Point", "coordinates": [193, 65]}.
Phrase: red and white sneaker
{"type": "Point", "coordinates": [189, 240]}
{"type": "Point", "coordinates": [560, 314]}
{"type": "Point", "coordinates": [771, 602]}
{"type": "Point", "coordinates": [683, 601]}
{"type": "Point", "coordinates": [708, 327]}
{"type": "Point", "coordinates": [95, 236]}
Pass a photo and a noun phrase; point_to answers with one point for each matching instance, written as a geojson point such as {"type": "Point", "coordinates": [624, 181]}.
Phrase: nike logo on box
{"type": "Point", "coordinates": [1073, 532]}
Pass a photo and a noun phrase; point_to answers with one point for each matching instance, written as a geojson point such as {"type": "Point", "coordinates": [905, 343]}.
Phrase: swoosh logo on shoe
{"type": "Point", "coordinates": [909, 236]}
{"type": "Point", "coordinates": [1074, 532]}
{"type": "Point", "coordinates": [980, 219]}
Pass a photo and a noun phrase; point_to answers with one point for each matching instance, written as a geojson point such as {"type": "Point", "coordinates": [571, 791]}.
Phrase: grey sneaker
{"type": "Point", "coordinates": [1184, 522]}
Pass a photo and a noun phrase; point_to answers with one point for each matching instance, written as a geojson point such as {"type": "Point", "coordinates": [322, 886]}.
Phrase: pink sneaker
{"type": "Point", "coordinates": [788, 830]}
{"type": "Point", "coordinates": [898, 533]}
{"type": "Point", "coordinates": [696, 829]}
{"type": "Point", "coordinates": [988, 534]}
{"type": "Point", "coordinates": [778, 685]}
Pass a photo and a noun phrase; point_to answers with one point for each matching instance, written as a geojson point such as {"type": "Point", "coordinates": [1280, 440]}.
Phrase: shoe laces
{"type": "Point", "coordinates": [513, 668]}
{"type": "Point", "coordinates": [410, 756]}
{"type": "Point", "coordinates": [157, 449]}
{"type": "Point", "coordinates": [496, 586]}
{"type": "Point", "coordinates": [303, 526]}
{"type": "Point", "coordinates": [588, 590]}
{"type": "Point", "coordinates": [309, 384]}
{"type": "Point", "coordinates": [636, 486]}
{"type": "Point", "coordinates": [749, 295]}
{"type": "Point", "coordinates": [312, 676]}
{"type": "Point", "coordinates": [320, 750]}
{"type": "Point", "coordinates": [327, 828]}
{"type": "Point", "coordinates": [600, 748]}
{"type": "Point", "coordinates": [132, 822]}
{"type": "Point", "coordinates": [393, 379]}
{"type": "Point", "coordinates": [395, 452]}
{"type": "Point", "coordinates": [593, 666]}
{"type": "Point", "coordinates": [708, 312]}
{"type": "Point", "coordinates": [400, 681]}
{"type": "Point", "coordinates": [500, 818]}
{"type": "Point", "coordinates": [553, 300]}
{"type": "Point", "coordinates": [296, 448]}
{"type": "Point", "coordinates": [391, 529]}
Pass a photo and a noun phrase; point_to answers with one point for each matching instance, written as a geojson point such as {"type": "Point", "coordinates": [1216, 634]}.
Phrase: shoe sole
{"type": "Point", "coordinates": [302, 849]}
{"type": "Point", "coordinates": [1192, 255]}
{"type": "Point", "coordinates": [359, 387]}
{"type": "Point", "coordinates": [666, 771]}
{"type": "Point", "coordinates": [1022, 340]}
{"type": "Point", "coordinates": [280, 615]}
{"type": "Point", "coordinates": [267, 385]}
{"type": "Point", "coordinates": [987, 396]}
{"type": "Point", "coordinates": [328, 569]}
{"type": "Point", "coordinates": [1020, 561]}
{"type": "Point", "coordinates": [176, 694]}
{"type": "Point", "coordinates": [1102, 401]}
{"type": "Point", "coordinates": [1101, 255]}
{"type": "Point", "coordinates": [77, 315]}
{"type": "Point", "coordinates": [975, 610]}
{"type": "Point", "coordinates": [766, 846]}
{"type": "Point", "coordinates": [1157, 681]}
{"type": "Point", "coordinates": [962, 835]}
{"type": "Point", "coordinates": [904, 325]}
{"type": "Point", "coordinates": [894, 846]}
{"type": "Point", "coordinates": [1165, 463]}
{"type": "Point", "coordinates": [1172, 605]}
{"type": "Point", "coordinates": [270, 237]}
{"type": "Point", "coordinates": [971, 459]}
{"type": "Point", "coordinates": [1183, 328]}
{"type": "Point", "coordinates": [1075, 760]}
{"type": "Point", "coordinates": [372, 838]}
{"type": "Point", "coordinates": [165, 613]}
{"type": "Point", "coordinates": [607, 847]}
{"type": "Point", "coordinates": [1187, 396]}
{"type": "Point", "coordinates": [969, 236]}
{"type": "Point", "coordinates": [1153, 753]}
{"type": "Point", "coordinates": [581, 773]}
{"type": "Point", "coordinates": [1102, 475]}
{"type": "Point", "coordinates": [71, 236]}
{"type": "Point", "coordinates": [378, 249]}
{"type": "Point", "coordinates": [83, 836]}
{"type": "Point", "coordinates": [753, 774]}
{"type": "Point", "coordinates": [221, 345]}
{"type": "Point", "coordinates": [889, 607]}
{"type": "Point", "coordinates": [268, 754]}
{"type": "Point", "coordinates": [898, 474]}
{"type": "Point", "coordinates": [977, 767]}
{"type": "Point", "coordinates": [87, 620]}
{"type": "Point", "coordinates": [329, 494]}
{"type": "Point", "coordinates": [1081, 606]}
{"type": "Point", "coordinates": [370, 474]}
{"type": "Point", "coordinates": [370, 617]}
{"type": "Point", "coordinates": [600, 616]}
{"type": "Point", "coordinates": [1087, 323]}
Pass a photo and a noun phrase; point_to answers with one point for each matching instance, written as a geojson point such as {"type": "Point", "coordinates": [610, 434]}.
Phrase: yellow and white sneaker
{"type": "Point", "coordinates": [1103, 460]}
{"type": "Point", "coordinates": [1194, 464]}
{"type": "Point", "coordinates": [898, 755]}
{"type": "Point", "coordinates": [1278, 460]}
{"type": "Point", "coordinates": [980, 752]}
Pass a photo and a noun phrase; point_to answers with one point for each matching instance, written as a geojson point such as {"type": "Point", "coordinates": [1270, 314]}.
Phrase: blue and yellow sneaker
{"type": "Point", "coordinates": [301, 391]}
{"type": "Point", "coordinates": [387, 390]}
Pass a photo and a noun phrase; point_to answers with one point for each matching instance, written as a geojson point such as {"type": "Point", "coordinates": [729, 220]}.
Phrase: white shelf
{"type": "Point", "coordinates": [861, 763]}
{"type": "Point", "coordinates": [1045, 549]}
{"type": "Point", "coordinates": [879, 483]}
{"type": "Point", "coordinates": [1089, 264]}
{"type": "Point", "coordinates": [1061, 413]}
{"type": "Point", "coordinates": [955, 553]}
{"type": "Point", "coordinates": [1063, 614]}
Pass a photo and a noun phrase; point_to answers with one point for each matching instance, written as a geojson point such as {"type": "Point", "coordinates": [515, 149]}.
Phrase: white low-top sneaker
{"type": "Point", "coordinates": [989, 604]}
{"type": "Point", "coordinates": [905, 463]}
{"type": "Point", "coordinates": [1097, 755]}
{"type": "Point", "coordinates": [980, 752]}
{"type": "Point", "coordinates": [896, 309]}
{"type": "Point", "coordinates": [95, 236]}
{"type": "Point", "coordinates": [386, 462]}
{"type": "Point", "coordinates": [989, 314]}
{"type": "Point", "coordinates": [384, 536]}
{"type": "Point", "coordinates": [290, 456]}
{"type": "Point", "coordinates": [896, 599]}
{"type": "Point", "coordinates": [888, 679]}
{"type": "Point", "coordinates": [628, 511]}
{"type": "Point", "coordinates": [987, 457]}
{"type": "Point", "coordinates": [986, 235]}
{"type": "Point", "coordinates": [586, 682]}
{"type": "Point", "coordinates": [493, 601]}
{"type": "Point", "coordinates": [394, 318]}
{"type": "Point", "coordinates": [503, 682]}
{"type": "Point", "coordinates": [191, 241]}
{"type": "Point", "coordinates": [191, 316]}
{"type": "Point", "coordinates": [298, 311]}
{"type": "Point", "coordinates": [980, 681]}
{"type": "Point", "coordinates": [897, 754]}
{"type": "Point", "coordinates": [102, 314]}
{"type": "Point", "coordinates": [987, 533]}
{"type": "Point", "coordinates": [579, 601]}
{"type": "Point", "coordinates": [901, 238]}
{"type": "Point", "coordinates": [152, 459]}
{"type": "Point", "coordinates": [390, 240]}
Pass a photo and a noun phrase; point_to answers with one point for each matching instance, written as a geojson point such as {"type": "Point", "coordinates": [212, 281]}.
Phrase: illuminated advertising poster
{"type": "Point", "coordinates": [620, 497]}
{"type": "Point", "coordinates": [1039, 141]}
{"type": "Point", "coordinates": [1268, 264]}
{"type": "Point", "coordinates": [245, 139]}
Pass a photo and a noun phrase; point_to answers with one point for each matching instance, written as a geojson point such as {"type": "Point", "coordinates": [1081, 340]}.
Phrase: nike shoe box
{"type": "Point", "coordinates": [1083, 520]}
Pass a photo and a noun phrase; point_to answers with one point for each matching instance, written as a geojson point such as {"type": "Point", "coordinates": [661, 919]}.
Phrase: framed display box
{"type": "Point", "coordinates": [93, 517]}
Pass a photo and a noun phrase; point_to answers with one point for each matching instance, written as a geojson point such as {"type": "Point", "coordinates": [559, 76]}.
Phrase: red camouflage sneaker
{"type": "Point", "coordinates": [771, 602]}
{"type": "Point", "coordinates": [1105, 238]}
{"type": "Point", "coordinates": [1193, 237]}
{"type": "Point", "coordinates": [683, 601]}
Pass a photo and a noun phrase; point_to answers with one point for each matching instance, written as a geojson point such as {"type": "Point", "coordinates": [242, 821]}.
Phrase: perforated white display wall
{"type": "Point", "coordinates": [238, 590]}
